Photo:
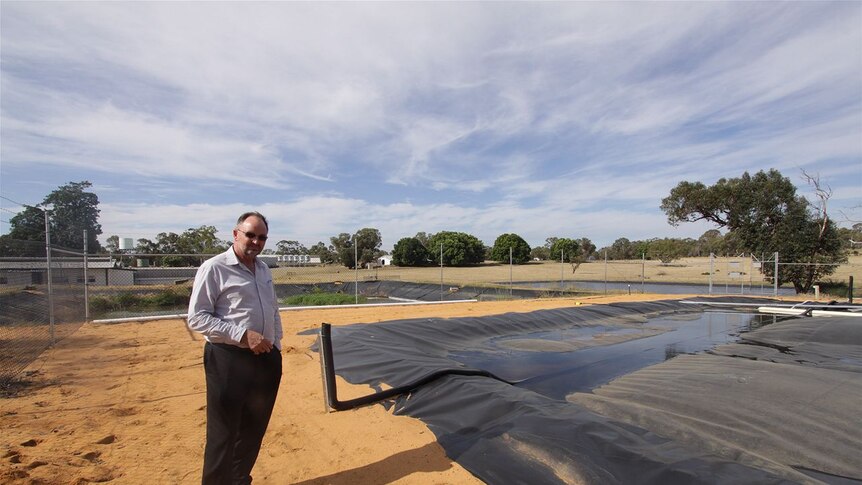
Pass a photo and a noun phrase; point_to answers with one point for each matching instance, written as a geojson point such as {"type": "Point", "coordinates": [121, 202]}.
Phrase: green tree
{"type": "Point", "coordinates": [342, 248]}
{"type": "Point", "coordinates": [765, 215]}
{"type": "Point", "coordinates": [410, 251]}
{"type": "Point", "coordinates": [520, 250]}
{"type": "Point", "coordinates": [622, 248]}
{"type": "Point", "coordinates": [367, 242]}
{"type": "Point", "coordinates": [422, 237]}
{"type": "Point", "coordinates": [568, 249]}
{"type": "Point", "coordinates": [710, 242]}
{"type": "Point", "coordinates": [541, 253]}
{"type": "Point", "coordinates": [73, 211]}
{"type": "Point", "coordinates": [146, 246]}
{"type": "Point", "coordinates": [324, 252]}
{"type": "Point", "coordinates": [290, 247]}
{"type": "Point", "coordinates": [201, 240]}
{"type": "Point", "coordinates": [667, 250]}
{"type": "Point", "coordinates": [112, 244]}
{"type": "Point", "coordinates": [587, 247]}
{"type": "Point", "coordinates": [459, 249]}
{"type": "Point", "coordinates": [851, 238]}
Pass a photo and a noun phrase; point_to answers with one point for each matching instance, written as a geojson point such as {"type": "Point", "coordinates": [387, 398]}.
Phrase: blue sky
{"type": "Point", "coordinates": [542, 119]}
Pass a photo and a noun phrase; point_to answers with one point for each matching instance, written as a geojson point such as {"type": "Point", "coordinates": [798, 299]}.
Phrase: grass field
{"type": "Point", "coordinates": [734, 271]}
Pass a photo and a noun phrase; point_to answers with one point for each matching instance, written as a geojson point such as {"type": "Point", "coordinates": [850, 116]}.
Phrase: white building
{"type": "Point", "coordinates": [295, 259]}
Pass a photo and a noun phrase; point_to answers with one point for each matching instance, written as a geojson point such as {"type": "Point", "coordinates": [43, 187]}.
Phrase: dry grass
{"type": "Point", "coordinates": [687, 270]}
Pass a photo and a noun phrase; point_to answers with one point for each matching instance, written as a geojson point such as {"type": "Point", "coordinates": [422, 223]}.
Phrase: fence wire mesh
{"type": "Point", "coordinates": [133, 285]}
{"type": "Point", "coordinates": [35, 314]}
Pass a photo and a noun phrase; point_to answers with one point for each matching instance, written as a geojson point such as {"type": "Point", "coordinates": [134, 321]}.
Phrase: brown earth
{"type": "Point", "coordinates": [125, 403]}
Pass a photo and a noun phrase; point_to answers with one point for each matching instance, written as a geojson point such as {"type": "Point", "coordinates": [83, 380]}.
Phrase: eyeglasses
{"type": "Point", "coordinates": [252, 235]}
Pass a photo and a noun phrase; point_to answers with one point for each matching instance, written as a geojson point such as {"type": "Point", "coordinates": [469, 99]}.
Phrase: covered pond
{"type": "Point", "coordinates": [646, 392]}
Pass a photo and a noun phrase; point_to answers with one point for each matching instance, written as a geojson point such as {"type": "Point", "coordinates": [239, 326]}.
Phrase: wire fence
{"type": "Point", "coordinates": [36, 314]}
{"type": "Point", "coordinates": [108, 287]}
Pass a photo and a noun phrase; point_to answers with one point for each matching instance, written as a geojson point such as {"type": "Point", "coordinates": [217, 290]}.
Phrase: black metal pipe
{"type": "Point", "coordinates": [327, 363]}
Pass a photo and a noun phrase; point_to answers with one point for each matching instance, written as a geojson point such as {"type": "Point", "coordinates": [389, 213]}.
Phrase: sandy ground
{"type": "Point", "coordinates": [125, 403]}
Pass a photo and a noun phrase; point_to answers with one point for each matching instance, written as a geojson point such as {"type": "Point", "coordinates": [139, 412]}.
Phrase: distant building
{"type": "Point", "coordinates": [293, 259]}
{"type": "Point", "coordinates": [385, 260]}
{"type": "Point", "coordinates": [100, 272]}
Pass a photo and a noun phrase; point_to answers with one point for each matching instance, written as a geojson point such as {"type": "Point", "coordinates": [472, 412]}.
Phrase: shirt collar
{"type": "Point", "coordinates": [230, 256]}
{"type": "Point", "coordinates": [232, 259]}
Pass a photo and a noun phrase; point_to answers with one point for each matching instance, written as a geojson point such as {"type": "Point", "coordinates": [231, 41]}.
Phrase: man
{"type": "Point", "coordinates": [233, 305]}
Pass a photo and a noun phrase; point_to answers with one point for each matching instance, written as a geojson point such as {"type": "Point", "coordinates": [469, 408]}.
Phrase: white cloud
{"type": "Point", "coordinates": [499, 113]}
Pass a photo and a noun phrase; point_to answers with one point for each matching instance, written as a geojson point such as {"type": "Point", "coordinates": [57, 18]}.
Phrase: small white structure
{"type": "Point", "coordinates": [298, 259]}
{"type": "Point", "coordinates": [385, 260]}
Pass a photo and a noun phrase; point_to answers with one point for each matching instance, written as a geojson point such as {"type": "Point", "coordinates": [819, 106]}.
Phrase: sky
{"type": "Point", "coordinates": [541, 119]}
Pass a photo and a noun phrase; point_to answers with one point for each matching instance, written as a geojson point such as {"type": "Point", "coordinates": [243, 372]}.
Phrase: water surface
{"type": "Point", "coordinates": [556, 372]}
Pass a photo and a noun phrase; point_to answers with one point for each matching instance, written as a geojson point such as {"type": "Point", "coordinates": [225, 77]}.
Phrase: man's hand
{"type": "Point", "coordinates": [256, 342]}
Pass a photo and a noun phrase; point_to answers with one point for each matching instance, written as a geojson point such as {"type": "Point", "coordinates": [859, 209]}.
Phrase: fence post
{"type": "Point", "coordinates": [86, 282]}
{"type": "Point", "coordinates": [606, 272]}
{"type": "Point", "coordinates": [711, 266]}
{"type": "Point", "coordinates": [49, 275]}
{"type": "Point", "coordinates": [643, 272]}
{"type": "Point", "coordinates": [511, 282]}
{"type": "Point", "coordinates": [441, 271]}
{"type": "Point", "coordinates": [356, 271]}
{"type": "Point", "coordinates": [775, 279]}
{"type": "Point", "coordinates": [561, 270]}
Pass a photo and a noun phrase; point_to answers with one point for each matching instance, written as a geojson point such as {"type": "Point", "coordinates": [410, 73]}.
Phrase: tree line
{"type": "Point", "coordinates": [759, 214]}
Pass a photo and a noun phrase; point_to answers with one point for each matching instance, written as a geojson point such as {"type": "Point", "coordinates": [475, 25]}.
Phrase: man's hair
{"type": "Point", "coordinates": [246, 215]}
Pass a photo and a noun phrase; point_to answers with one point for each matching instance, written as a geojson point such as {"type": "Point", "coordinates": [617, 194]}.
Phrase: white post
{"type": "Point", "coordinates": [711, 266]}
{"type": "Point", "coordinates": [751, 273]}
{"type": "Point", "coordinates": [606, 272]}
{"type": "Point", "coordinates": [561, 269]}
{"type": "Point", "coordinates": [511, 282]}
{"type": "Point", "coordinates": [86, 282]}
{"type": "Point", "coordinates": [726, 276]}
{"type": "Point", "coordinates": [643, 272]}
{"type": "Point", "coordinates": [356, 271]}
{"type": "Point", "coordinates": [775, 280]}
{"type": "Point", "coordinates": [441, 271]}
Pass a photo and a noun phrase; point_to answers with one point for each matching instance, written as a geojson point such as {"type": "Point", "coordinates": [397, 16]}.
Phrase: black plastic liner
{"type": "Point", "coordinates": [505, 434]}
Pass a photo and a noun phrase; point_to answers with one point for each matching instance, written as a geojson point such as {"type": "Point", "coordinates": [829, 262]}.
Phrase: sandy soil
{"type": "Point", "coordinates": [125, 403]}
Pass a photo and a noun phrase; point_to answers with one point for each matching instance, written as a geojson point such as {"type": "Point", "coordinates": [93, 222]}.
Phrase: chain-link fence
{"type": "Point", "coordinates": [743, 274]}
{"type": "Point", "coordinates": [132, 285]}
{"type": "Point", "coordinates": [43, 300]}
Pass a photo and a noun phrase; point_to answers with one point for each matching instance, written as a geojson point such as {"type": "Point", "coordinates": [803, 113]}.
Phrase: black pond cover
{"type": "Point", "coordinates": [508, 434]}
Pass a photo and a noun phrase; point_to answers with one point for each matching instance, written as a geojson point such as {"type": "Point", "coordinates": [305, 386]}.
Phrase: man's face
{"type": "Point", "coordinates": [249, 238]}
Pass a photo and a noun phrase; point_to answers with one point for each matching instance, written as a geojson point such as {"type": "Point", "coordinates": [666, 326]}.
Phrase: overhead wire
{"type": "Point", "coordinates": [15, 202]}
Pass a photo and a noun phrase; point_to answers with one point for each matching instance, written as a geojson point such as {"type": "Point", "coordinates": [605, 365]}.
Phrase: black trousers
{"type": "Point", "coordinates": [241, 391]}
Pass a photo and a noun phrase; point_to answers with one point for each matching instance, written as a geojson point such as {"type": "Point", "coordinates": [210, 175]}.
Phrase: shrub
{"type": "Point", "coordinates": [318, 299]}
{"type": "Point", "coordinates": [834, 288]}
{"type": "Point", "coordinates": [168, 298]}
